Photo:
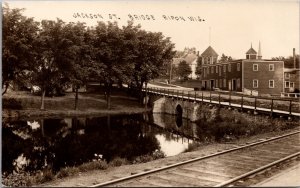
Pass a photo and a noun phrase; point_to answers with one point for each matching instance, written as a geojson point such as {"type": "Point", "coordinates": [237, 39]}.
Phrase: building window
{"type": "Point", "coordinates": [220, 82]}
{"type": "Point", "coordinates": [224, 82]}
{"type": "Point", "coordinates": [291, 84]}
{"type": "Point", "coordinates": [238, 84]}
{"type": "Point", "coordinates": [271, 67]}
{"type": "Point", "coordinates": [220, 70]}
{"type": "Point", "coordinates": [271, 83]}
{"type": "Point", "coordinates": [286, 75]}
{"type": "Point", "coordinates": [212, 69]}
{"type": "Point", "coordinates": [224, 68]}
{"type": "Point", "coordinates": [229, 67]}
{"type": "Point", "coordinates": [238, 67]}
{"type": "Point", "coordinates": [217, 83]}
{"type": "Point", "coordinates": [287, 85]}
{"type": "Point", "coordinates": [255, 83]}
{"type": "Point", "coordinates": [215, 60]}
{"type": "Point", "coordinates": [255, 67]}
{"type": "Point", "coordinates": [217, 69]}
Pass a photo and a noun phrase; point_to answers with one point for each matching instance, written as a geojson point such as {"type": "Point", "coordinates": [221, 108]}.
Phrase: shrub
{"type": "Point", "coordinates": [157, 154]}
{"type": "Point", "coordinates": [63, 173]}
{"type": "Point", "coordinates": [93, 165]}
{"type": "Point", "coordinates": [46, 176]}
{"type": "Point", "coordinates": [118, 162]}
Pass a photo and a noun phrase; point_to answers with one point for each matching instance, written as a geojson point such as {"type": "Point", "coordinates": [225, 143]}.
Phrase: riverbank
{"type": "Point", "coordinates": [93, 177]}
{"type": "Point", "coordinates": [25, 105]}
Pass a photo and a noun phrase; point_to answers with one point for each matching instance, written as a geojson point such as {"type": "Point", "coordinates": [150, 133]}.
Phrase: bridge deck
{"type": "Point", "coordinates": [229, 104]}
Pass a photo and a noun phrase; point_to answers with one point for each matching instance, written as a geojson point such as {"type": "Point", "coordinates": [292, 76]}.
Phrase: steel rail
{"type": "Point", "coordinates": [256, 170]}
{"type": "Point", "coordinates": [191, 160]}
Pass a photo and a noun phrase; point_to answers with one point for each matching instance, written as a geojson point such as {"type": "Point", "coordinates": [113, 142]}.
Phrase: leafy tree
{"type": "Point", "coordinates": [198, 71]}
{"type": "Point", "coordinates": [111, 50]}
{"type": "Point", "coordinates": [153, 52]}
{"type": "Point", "coordinates": [225, 58]}
{"type": "Point", "coordinates": [53, 57]}
{"type": "Point", "coordinates": [184, 70]}
{"type": "Point", "coordinates": [17, 47]}
{"type": "Point", "coordinates": [81, 60]}
{"type": "Point", "coordinates": [289, 61]}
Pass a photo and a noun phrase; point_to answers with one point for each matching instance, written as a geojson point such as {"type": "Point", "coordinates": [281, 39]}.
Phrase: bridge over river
{"type": "Point", "coordinates": [265, 105]}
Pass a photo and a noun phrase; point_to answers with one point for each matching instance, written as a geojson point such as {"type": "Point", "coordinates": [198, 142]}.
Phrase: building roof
{"type": "Point", "coordinates": [189, 58]}
{"type": "Point", "coordinates": [209, 52]}
{"type": "Point", "coordinates": [251, 51]}
{"type": "Point", "coordinates": [291, 70]}
{"type": "Point", "coordinates": [176, 61]}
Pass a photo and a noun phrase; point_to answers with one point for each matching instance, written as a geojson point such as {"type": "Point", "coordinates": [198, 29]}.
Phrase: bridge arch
{"type": "Point", "coordinates": [178, 110]}
{"type": "Point", "coordinates": [178, 117]}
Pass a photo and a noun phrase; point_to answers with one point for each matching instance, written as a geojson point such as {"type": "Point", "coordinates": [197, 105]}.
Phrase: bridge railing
{"type": "Point", "coordinates": [269, 104]}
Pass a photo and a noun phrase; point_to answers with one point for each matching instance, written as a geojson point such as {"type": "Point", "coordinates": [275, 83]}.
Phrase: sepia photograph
{"type": "Point", "coordinates": [148, 93]}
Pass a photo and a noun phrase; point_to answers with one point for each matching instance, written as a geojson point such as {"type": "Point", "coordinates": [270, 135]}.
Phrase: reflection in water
{"type": "Point", "coordinates": [171, 147]}
{"type": "Point", "coordinates": [56, 143]}
{"type": "Point", "coordinates": [178, 116]}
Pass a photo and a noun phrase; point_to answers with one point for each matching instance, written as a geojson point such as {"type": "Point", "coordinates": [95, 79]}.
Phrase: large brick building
{"type": "Point", "coordinates": [263, 77]}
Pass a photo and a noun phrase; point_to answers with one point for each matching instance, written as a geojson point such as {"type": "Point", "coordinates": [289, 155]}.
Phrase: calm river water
{"type": "Point", "coordinates": [35, 144]}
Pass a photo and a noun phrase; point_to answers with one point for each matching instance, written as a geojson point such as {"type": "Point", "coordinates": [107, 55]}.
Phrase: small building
{"type": "Point", "coordinates": [251, 75]}
{"type": "Point", "coordinates": [191, 60]}
{"type": "Point", "coordinates": [291, 80]}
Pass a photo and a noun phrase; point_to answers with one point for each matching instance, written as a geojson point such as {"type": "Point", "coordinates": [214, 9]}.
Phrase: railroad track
{"type": "Point", "coordinates": [219, 169]}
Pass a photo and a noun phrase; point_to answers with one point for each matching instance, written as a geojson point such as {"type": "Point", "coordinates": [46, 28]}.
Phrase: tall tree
{"type": "Point", "coordinates": [81, 49]}
{"type": "Point", "coordinates": [153, 52]}
{"type": "Point", "coordinates": [184, 70]}
{"type": "Point", "coordinates": [17, 47]}
{"type": "Point", "coordinates": [53, 57]}
{"type": "Point", "coordinates": [110, 50]}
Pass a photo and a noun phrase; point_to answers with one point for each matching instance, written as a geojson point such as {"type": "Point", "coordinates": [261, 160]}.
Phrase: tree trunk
{"type": "Point", "coordinates": [146, 95]}
{"type": "Point", "coordinates": [6, 87]}
{"type": "Point", "coordinates": [76, 98]}
{"type": "Point", "coordinates": [140, 88]}
{"type": "Point", "coordinates": [43, 99]}
{"type": "Point", "coordinates": [108, 98]}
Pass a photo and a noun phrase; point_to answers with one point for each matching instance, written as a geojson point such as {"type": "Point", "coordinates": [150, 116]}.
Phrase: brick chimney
{"type": "Point", "coordinates": [294, 56]}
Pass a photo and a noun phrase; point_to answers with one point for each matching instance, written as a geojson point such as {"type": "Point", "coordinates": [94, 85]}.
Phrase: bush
{"type": "Point", "coordinates": [118, 162]}
{"type": "Point", "coordinates": [157, 154]}
{"type": "Point", "coordinates": [47, 176]}
{"type": "Point", "coordinates": [93, 165]}
{"type": "Point", "coordinates": [11, 103]}
{"type": "Point", "coordinates": [63, 173]}
{"type": "Point", "coordinates": [142, 159]}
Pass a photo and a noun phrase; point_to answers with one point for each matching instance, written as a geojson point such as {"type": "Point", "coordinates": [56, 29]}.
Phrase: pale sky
{"type": "Point", "coordinates": [234, 24]}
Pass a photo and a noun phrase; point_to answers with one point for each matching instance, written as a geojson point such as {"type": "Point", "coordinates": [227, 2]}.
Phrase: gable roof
{"type": "Point", "coordinates": [251, 51]}
{"type": "Point", "coordinates": [189, 58]}
{"type": "Point", "coordinates": [176, 61]}
{"type": "Point", "coordinates": [209, 52]}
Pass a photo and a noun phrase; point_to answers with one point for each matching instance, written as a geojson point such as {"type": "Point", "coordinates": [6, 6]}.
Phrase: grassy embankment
{"type": "Point", "coordinates": [25, 104]}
